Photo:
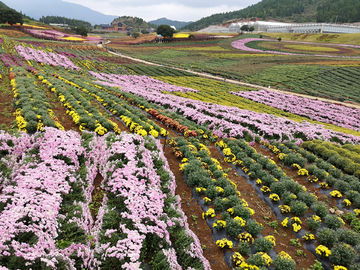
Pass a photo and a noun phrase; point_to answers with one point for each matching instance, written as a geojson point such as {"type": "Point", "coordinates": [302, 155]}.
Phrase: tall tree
{"type": "Point", "coordinates": [165, 31]}
{"type": "Point", "coordinates": [81, 30]}
{"type": "Point", "coordinates": [10, 16]}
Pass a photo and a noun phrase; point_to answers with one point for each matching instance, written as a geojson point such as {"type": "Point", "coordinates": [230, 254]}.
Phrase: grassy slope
{"type": "Point", "coordinates": [353, 39]}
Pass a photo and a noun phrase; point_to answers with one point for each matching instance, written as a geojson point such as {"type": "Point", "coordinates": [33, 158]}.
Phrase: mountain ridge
{"type": "Point", "coordinates": [288, 11]}
{"type": "Point", "coordinates": [39, 8]}
{"type": "Point", "coordinates": [177, 24]}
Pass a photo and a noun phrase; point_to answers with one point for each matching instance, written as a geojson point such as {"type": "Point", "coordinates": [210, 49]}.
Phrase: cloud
{"type": "Point", "coordinates": [172, 9]}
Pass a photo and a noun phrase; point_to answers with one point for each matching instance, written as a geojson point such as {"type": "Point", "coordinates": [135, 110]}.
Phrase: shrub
{"type": "Point", "coordinates": [349, 237]}
{"type": "Point", "coordinates": [333, 222]}
{"type": "Point", "coordinates": [259, 259]}
{"type": "Point", "coordinates": [284, 262]}
{"type": "Point", "coordinates": [342, 254]}
{"type": "Point", "coordinates": [320, 209]}
{"type": "Point", "coordinates": [312, 224]}
{"type": "Point", "coordinates": [307, 198]}
{"type": "Point", "coordinates": [278, 188]}
{"type": "Point", "coordinates": [233, 228]}
{"type": "Point", "coordinates": [244, 248]}
{"type": "Point", "coordinates": [327, 237]}
{"type": "Point", "coordinates": [288, 197]}
{"type": "Point", "coordinates": [342, 186]}
{"type": "Point", "coordinates": [355, 225]}
{"type": "Point", "coordinates": [298, 208]}
{"type": "Point", "coordinates": [253, 227]}
{"type": "Point", "coordinates": [263, 244]}
{"type": "Point", "coordinates": [242, 211]}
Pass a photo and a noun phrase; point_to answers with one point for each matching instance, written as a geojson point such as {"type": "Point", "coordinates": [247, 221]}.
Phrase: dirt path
{"type": "Point", "coordinates": [206, 75]}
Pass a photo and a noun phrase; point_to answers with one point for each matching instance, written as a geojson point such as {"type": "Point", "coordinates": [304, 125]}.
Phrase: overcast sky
{"type": "Point", "coordinates": [184, 10]}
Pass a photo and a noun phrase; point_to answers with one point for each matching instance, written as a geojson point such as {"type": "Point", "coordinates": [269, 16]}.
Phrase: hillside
{"type": "Point", "coordinates": [38, 8]}
{"type": "Point", "coordinates": [288, 10]}
{"type": "Point", "coordinates": [134, 22]}
{"type": "Point", "coordinates": [346, 11]}
{"type": "Point", "coordinates": [177, 24]}
{"type": "Point", "coordinates": [60, 20]}
{"type": "Point", "coordinates": [2, 5]}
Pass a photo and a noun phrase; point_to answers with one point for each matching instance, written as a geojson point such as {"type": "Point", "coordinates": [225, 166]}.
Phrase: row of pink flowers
{"type": "Point", "coordinates": [231, 121]}
{"type": "Point", "coordinates": [142, 82]}
{"type": "Point", "coordinates": [45, 58]}
{"type": "Point", "coordinates": [314, 109]}
{"type": "Point", "coordinates": [33, 197]}
{"type": "Point", "coordinates": [241, 45]}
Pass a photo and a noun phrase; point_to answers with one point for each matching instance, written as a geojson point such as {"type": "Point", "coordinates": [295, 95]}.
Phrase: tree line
{"type": "Point", "coordinates": [341, 11]}
{"type": "Point", "coordinates": [63, 20]}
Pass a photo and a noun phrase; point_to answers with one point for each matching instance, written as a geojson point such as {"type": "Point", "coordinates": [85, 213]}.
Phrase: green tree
{"type": "Point", "coordinates": [245, 27]}
{"type": "Point", "coordinates": [81, 30]}
{"type": "Point", "coordinates": [252, 28]}
{"type": "Point", "coordinates": [165, 31]}
{"type": "Point", "coordinates": [135, 35]}
{"type": "Point", "coordinates": [10, 16]}
{"type": "Point", "coordinates": [144, 31]}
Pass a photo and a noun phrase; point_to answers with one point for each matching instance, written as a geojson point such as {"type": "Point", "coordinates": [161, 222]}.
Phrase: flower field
{"type": "Point", "coordinates": [111, 163]}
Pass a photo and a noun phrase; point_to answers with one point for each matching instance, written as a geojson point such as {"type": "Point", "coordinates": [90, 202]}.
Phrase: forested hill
{"type": "Point", "coordinates": [60, 20]}
{"type": "Point", "coordinates": [2, 5]}
{"type": "Point", "coordinates": [347, 11]}
{"type": "Point", "coordinates": [287, 10]}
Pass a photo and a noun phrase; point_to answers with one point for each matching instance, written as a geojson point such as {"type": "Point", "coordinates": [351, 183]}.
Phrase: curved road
{"type": "Point", "coordinates": [206, 75]}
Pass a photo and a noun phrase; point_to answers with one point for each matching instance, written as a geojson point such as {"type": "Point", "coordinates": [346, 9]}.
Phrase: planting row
{"type": "Point", "coordinates": [47, 203]}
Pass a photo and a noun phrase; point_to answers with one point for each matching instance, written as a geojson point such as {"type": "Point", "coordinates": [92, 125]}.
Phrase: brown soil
{"type": "Point", "coordinates": [263, 213]}
{"type": "Point", "coordinates": [331, 202]}
{"type": "Point", "coordinates": [60, 112]}
{"type": "Point", "coordinates": [96, 196]}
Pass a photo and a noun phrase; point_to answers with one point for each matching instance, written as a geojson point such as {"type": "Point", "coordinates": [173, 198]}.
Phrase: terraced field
{"type": "Point", "coordinates": [109, 163]}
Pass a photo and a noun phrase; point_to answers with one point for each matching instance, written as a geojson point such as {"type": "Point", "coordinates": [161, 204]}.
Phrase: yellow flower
{"type": "Point", "coordinates": [154, 133]}
{"type": "Point", "coordinates": [210, 213]}
{"type": "Point", "coordinates": [245, 237]}
{"type": "Point", "coordinates": [240, 221]}
{"type": "Point", "coordinates": [219, 189]}
{"type": "Point", "coordinates": [308, 237]}
{"type": "Point", "coordinates": [238, 259]}
{"type": "Point", "coordinates": [336, 194]}
{"type": "Point", "coordinates": [346, 202]}
{"type": "Point", "coordinates": [219, 224]}
{"type": "Point", "coordinates": [296, 220]}
{"type": "Point", "coordinates": [227, 151]}
{"type": "Point", "coordinates": [284, 208]}
{"type": "Point", "coordinates": [284, 255]}
{"type": "Point", "coordinates": [271, 238]}
{"type": "Point", "coordinates": [224, 243]}
{"type": "Point", "coordinates": [339, 267]}
{"type": "Point", "coordinates": [303, 172]}
{"type": "Point", "coordinates": [323, 251]}
{"type": "Point", "coordinates": [206, 200]}
{"type": "Point", "coordinates": [285, 222]}
{"type": "Point", "coordinates": [274, 197]}
{"type": "Point", "coordinates": [296, 227]}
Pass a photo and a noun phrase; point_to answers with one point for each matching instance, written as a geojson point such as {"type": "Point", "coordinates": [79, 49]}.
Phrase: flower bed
{"type": "Point", "coordinates": [316, 110]}
{"type": "Point", "coordinates": [45, 204]}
